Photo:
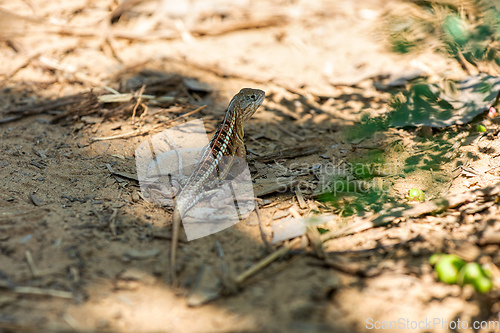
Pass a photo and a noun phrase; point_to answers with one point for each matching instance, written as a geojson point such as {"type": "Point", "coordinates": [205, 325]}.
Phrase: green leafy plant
{"type": "Point", "coordinates": [357, 193]}
{"type": "Point", "coordinates": [368, 126]}
{"type": "Point", "coordinates": [420, 104]}
{"type": "Point", "coordinates": [348, 203]}
{"type": "Point", "coordinates": [466, 31]}
{"type": "Point", "coordinates": [444, 103]}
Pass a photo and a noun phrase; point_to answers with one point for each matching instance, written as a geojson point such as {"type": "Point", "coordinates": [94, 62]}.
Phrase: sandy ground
{"type": "Point", "coordinates": [81, 251]}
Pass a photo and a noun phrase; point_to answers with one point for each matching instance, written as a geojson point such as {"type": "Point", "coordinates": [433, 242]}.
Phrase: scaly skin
{"type": "Point", "coordinates": [217, 158]}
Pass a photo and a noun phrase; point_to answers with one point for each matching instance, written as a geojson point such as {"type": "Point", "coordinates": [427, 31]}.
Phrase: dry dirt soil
{"type": "Point", "coordinates": [82, 251]}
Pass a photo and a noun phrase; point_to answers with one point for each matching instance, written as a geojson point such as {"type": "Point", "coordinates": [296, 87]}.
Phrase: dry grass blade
{"type": "Point", "coordinates": [31, 264]}
{"type": "Point", "coordinates": [252, 23]}
{"type": "Point", "coordinates": [39, 291]}
{"type": "Point", "coordinates": [139, 99]}
{"type": "Point", "coordinates": [122, 98]}
{"type": "Point", "coordinates": [9, 119]}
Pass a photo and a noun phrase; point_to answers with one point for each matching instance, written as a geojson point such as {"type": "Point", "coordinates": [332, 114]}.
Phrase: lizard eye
{"type": "Point", "coordinates": [253, 97]}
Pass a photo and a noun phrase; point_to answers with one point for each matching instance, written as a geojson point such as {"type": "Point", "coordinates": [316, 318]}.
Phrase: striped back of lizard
{"type": "Point", "coordinates": [216, 160]}
{"type": "Point", "coordinates": [225, 146]}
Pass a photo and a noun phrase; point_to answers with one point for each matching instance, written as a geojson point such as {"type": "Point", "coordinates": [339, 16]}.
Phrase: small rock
{"type": "Point", "coordinates": [133, 274]}
{"type": "Point", "coordinates": [425, 131]}
{"type": "Point", "coordinates": [137, 254]}
{"type": "Point", "coordinates": [135, 196]}
{"type": "Point", "coordinates": [127, 285]}
{"type": "Point", "coordinates": [302, 309]}
{"type": "Point", "coordinates": [35, 199]}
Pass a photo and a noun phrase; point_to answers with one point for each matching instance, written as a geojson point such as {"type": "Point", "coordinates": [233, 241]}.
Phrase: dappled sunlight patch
{"type": "Point", "coordinates": [135, 307]}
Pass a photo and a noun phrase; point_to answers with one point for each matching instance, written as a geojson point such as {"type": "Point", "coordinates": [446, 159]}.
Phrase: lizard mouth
{"type": "Point", "coordinates": [260, 100]}
{"type": "Point", "coordinates": [250, 112]}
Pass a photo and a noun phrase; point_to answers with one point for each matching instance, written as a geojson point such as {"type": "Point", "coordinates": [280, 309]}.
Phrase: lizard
{"type": "Point", "coordinates": [216, 159]}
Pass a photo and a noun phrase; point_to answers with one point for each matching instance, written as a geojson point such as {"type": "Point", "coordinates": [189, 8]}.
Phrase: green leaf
{"type": "Point", "coordinates": [444, 104]}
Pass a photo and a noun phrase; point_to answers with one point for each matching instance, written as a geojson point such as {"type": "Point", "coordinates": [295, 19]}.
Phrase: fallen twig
{"type": "Point", "coordinates": [140, 131]}
{"type": "Point", "coordinates": [41, 292]}
{"type": "Point", "coordinates": [266, 261]}
{"type": "Point", "coordinates": [31, 263]}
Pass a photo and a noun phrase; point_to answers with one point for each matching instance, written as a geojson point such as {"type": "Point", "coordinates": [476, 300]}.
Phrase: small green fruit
{"type": "Point", "coordinates": [448, 267]}
{"type": "Point", "coordinates": [474, 274]}
{"type": "Point", "coordinates": [469, 273]}
{"type": "Point", "coordinates": [482, 284]}
{"type": "Point", "coordinates": [481, 128]}
{"type": "Point", "coordinates": [415, 194]}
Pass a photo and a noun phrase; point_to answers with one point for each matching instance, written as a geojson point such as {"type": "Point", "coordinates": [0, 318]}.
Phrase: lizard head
{"type": "Point", "coordinates": [247, 101]}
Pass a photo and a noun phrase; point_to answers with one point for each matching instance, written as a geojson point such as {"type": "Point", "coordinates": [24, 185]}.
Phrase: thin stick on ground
{"type": "Point", "coordinates": [42, 292]}
{"type": "Point", "coordinates": [140, 131]}
{"type": "Point", "coordinates": [31, 263]}
{"type": "Point", "coordinates": [266, 261]}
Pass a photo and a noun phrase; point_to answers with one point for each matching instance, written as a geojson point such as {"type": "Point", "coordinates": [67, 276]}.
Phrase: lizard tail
{"type": "Point", "coordinates": [176, 223]}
